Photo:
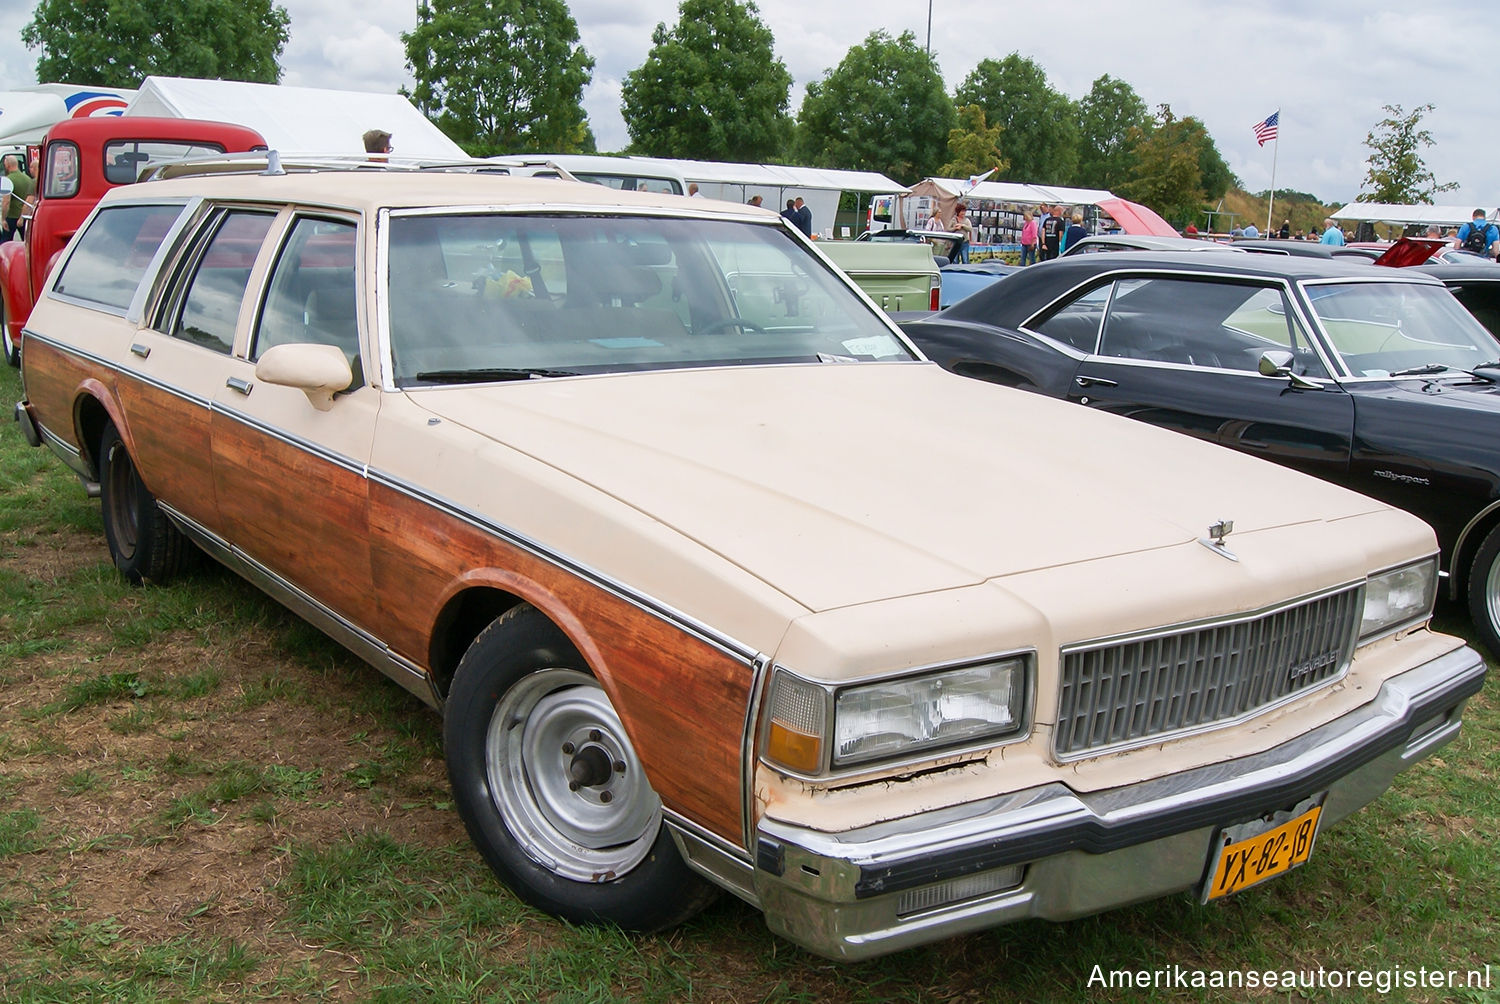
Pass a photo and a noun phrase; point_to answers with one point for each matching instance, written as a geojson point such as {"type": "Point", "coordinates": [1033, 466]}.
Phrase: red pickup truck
{"type": "Point", "coordinates": [81, 160]}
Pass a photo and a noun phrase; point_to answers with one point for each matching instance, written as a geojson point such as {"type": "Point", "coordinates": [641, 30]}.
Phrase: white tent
{"type": "Point", "coordinates": [25, 118]}
{"type": "Point", "coordinates": [1379, 212]}
{"type": "Point", "coordinates": [298, 119]}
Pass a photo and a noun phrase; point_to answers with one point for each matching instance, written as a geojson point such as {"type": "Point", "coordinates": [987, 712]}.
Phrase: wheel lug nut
{"type": "Point", "coordinates": [568, 749]}
{"type": "Point", "coordinates": [595, 735]}
{"type": "Point", "coordinates": [619, 766]}
{"type": "Point", "coordinates": [605, 796]}
{"type": "Point", "coordinates": [572, 785]}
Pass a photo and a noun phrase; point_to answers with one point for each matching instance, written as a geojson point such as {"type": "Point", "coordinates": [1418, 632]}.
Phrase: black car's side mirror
{"type": "Point", "coordinates": [1278, 363]}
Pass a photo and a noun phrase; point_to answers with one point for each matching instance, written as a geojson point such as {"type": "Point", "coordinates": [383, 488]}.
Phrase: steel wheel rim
{"type": "Point", "coordinates": [566, 780]}
{"type": "Point", "coordinates": [123, 499]}
{"type": "Point", "coordinates": [1492, 594]}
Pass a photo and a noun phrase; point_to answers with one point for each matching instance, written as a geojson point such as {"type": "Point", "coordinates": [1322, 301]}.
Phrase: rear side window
{"type": "Point", "coordinates": [124, 159]}
{"type": "Point", "coordinates": [112, 255]}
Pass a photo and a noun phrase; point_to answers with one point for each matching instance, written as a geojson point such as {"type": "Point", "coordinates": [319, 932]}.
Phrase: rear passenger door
{"type": "Point", "coordinates": [290, 477]}
{"type": "Point", "coordinates": [1183, 353]}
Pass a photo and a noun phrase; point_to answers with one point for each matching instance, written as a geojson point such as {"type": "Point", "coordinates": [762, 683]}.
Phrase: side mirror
{"type": "Point", "coordinates": [1278, 363]}
{"type": "Point", "coordinates": [319, 371]}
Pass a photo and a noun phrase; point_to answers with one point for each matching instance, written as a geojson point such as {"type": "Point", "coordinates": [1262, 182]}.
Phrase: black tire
{"type": "Point", "coordinates": [145, 545]}
{"type": "Point", "coordinates": [12, 352]}
{"type": "Point", "coordinates": [523, 720]}
{"type": "Point", "coordinates": [1484, 593]}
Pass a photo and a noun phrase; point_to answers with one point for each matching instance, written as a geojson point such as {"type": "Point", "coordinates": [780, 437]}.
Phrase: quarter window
{"type": "Point", "coordinates": [61, 172]}
{"type": "Point", "coordinates": [112, 255]}
{"type": "Point", "coordinates": [209, 308]}
{"type": "Point", "coordinates": [1077, 324]}
{"type": "Point", "coordinates": [125, 159]}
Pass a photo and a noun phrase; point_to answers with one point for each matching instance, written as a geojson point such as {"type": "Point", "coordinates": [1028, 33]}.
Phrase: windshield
{"type": "Point", "coordinates": [501, 296]}
{"type": "Point", "coordinates": [1384, 329]}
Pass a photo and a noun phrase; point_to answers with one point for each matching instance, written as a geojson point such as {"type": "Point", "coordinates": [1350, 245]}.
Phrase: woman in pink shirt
{"type": "Point", "coordinates": [1028, 240]}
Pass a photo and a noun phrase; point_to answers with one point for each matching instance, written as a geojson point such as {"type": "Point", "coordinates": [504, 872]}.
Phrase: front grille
{"type": "Point", "coordinates": [1136, 689]}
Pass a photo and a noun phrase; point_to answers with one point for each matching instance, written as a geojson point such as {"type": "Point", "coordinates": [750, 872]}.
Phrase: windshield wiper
{"type": "Point", "coordinates": [1427, 369]}
{"type": "Point", "coordinates": [488, 375]}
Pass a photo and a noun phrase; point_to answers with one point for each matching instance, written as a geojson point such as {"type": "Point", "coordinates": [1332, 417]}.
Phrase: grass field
{"type": "Point", "coordinates": [201, 798]}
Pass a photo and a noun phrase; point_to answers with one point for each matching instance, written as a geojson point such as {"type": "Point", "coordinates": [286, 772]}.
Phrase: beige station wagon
{"type": "Point", "coordinates": [715, 581]}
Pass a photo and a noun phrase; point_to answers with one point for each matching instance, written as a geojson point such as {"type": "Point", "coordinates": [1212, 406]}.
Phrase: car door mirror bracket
{"type": "Point", "coordinates": [1278, 363]}
{"type": "Point", "coordinates": [319, 371]}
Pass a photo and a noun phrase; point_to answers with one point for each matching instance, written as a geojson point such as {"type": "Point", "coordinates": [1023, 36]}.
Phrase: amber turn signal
{"type": "Point", "coordinates": [795, 750]}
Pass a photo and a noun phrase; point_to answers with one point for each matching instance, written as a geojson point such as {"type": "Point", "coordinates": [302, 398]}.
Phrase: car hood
{"type": "Point", "coordinates": [844, 484]}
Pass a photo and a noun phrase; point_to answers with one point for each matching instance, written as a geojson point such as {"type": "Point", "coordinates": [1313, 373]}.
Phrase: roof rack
{"type": "Point", "coordinates": [273, 162]}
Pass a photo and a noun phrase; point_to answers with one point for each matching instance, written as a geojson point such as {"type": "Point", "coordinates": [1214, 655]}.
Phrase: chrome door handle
{"type": "Point", "coordinates": [1089, 381]}
{"type": "Point", "coordinates": [243, 386]}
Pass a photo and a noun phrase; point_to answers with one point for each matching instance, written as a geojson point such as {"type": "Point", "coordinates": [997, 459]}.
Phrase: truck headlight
{"type": "Point", "coordinates": [894, 718]}
{"type": "Point", "coordinates": [1398, 597]}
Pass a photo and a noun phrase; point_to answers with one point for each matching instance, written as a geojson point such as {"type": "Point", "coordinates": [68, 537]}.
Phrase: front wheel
{"type": "Point", "coordinates": [145, 545]}
{"type": "Point", "coordinates": [550, 787]}
{"type": "Point", "coordinates": [1484, 592]}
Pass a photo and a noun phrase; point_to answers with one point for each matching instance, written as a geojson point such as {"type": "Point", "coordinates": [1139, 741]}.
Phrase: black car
{"type": "Point", "coordinates": [1476, 285]}
{"type": "Point", "coordinates": [1377, 379]}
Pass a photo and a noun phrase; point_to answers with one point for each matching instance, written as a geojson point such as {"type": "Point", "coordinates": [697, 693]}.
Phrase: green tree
{"type": "Point", "coordinates": [501, 76]}
{"type": "Point", "coordinates": [119, 43]}
{"type": "Point", "coordinates": [1168, 177]}
{"type": "Point", "coordinates": [973, 147]}
{"type": "Point", "coordinates": [1397, 175]}
{"type": "Point", "coordinates": [883, 108]}
{"type": "Point", "coordinates": [711, 88]}
{"type": "Point", "coordinates": [1106, 115]}
{"type": "Point", "coordinates": [1041, 125]}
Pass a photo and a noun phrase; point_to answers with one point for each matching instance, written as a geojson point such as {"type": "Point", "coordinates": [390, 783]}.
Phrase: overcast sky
{"type": "Point", "coordinates": [1328, 65]}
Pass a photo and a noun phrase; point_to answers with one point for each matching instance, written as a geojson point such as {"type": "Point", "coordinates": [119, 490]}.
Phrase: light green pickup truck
{"type": "Point", "coordinates": [897, 275]}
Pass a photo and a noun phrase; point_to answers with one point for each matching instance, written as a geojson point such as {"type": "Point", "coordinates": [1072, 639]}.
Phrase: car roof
{"type": "Point", "coordinates": [1027, 291]}
{"type": "Point", "coordinates": [1461, 272]}
{"type": "Point", "coordinates": [377, 188]}
{"type": "Point", "coordinates": [1152, 242]}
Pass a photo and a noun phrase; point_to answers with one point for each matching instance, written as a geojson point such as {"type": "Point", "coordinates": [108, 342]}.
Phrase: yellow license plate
{"type": "Point", "coordinates": [1244, 861]}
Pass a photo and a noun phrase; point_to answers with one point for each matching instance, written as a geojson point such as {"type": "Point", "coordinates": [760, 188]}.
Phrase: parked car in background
{"type": "Point", "coordinates": [944, 243]}
{"type": "Point", "coordinates": [960, 281]}
{"type": "Point", "coordinates": [1141, 242]}
{"type": "Point", "coordinates": [1476, 284]}
{"type": "Point", "coordinates": [691, 549]}
{"type": "Point", "coordinates": [81, 159]}
{"type": "Point", "coordinates": [898, 275]}
{"type": "Point", "coordinates": [1376, 379]}
{"type": "Point", "coordinates": [1303, 249]}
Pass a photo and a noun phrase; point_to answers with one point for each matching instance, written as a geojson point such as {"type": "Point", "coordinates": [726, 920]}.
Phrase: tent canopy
{"type": "Point", "coordinates": [298, 119]}
{"type": "Point", "coordinates": [1135, 218]}
{"type": "Point", "coordinates": [1380, 212]}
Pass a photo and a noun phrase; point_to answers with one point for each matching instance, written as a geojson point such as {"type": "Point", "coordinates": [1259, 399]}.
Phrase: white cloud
{"type": "Point", "coordinates": [1329, 66]}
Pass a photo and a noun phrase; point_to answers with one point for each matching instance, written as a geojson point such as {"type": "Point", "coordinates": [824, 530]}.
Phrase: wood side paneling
{"type": "Point", "coordinates": [300, 515]}
{"type": "Point", "coordinates": [682, 700]}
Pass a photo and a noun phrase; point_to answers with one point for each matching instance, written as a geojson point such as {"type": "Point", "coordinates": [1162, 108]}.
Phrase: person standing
{"type": "Point", "coordinates": [693, 192]}
{"type": "Point", "coordinates": [1028, 239]}
{"type": "Point", "coordinates": [965, 229]}
{"type": "Point", "coordinates": [1479, 236]}
{"type": "Point", "coordinates": [1331, 233]}
{"type": "Point", "coordinates": [790, 213]}
{"type": "Point", "coordinates": [1076, 231]}
{"type": "Point", "coordinates": [1052, 234]}
{"type": "Point", "coordinates": [22, 188]}
{"type": "Point", "coordinates": [1285, 232]}
{"type": "Point", "coordinates": [378, 145]}
{"type": "Point", "coordinates": [803, 219]}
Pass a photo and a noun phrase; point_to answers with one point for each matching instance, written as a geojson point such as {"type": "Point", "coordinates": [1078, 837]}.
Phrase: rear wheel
{"type": "Point", "coordinates": [550, 787]}
{"type": "Point", "coordinates": [1484, 592]}
{"type": "Point", "coordinates": [145, 545]}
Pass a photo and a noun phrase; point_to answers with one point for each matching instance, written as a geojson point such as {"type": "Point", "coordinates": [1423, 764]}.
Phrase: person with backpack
{"type": "Point", "coordinates": [1479, 236]}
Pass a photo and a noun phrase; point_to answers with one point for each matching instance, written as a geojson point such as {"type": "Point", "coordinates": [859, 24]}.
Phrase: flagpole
{"type": "Point", "coordinates": [1271, 203]}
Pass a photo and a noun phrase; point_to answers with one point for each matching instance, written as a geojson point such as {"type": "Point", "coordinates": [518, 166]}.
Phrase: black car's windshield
{"type": "Point", "coordinates": [503, 296]}
{"type": "Point", "coordinates": [1383, 329]}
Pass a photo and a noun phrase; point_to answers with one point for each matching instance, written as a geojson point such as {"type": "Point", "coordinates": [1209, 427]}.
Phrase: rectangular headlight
{"type": "Point", "coordinates": [904, 716]}
{"type": "Point", "coordinates": [1398, 597]}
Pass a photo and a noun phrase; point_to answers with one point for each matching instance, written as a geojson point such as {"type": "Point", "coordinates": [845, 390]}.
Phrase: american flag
{"type": "Point", "coordinates": [1265, 130]}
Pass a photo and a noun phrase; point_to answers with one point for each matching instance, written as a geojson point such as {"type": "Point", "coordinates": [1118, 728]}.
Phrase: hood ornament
{"type": "Point", "coordinates": [1217, 531]}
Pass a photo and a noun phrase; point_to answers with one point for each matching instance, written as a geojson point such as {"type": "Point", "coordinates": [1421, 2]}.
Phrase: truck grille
{"type": "Point", "coordinates": [1125, 691]}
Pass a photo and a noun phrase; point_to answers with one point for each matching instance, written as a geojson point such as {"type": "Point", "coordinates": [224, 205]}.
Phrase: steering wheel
{"type": "Point", "coordinates": [730, 322]}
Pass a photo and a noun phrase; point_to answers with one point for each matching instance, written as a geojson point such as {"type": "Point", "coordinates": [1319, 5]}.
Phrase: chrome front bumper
{"type": "Point", "coordinates": [1048, 852]}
